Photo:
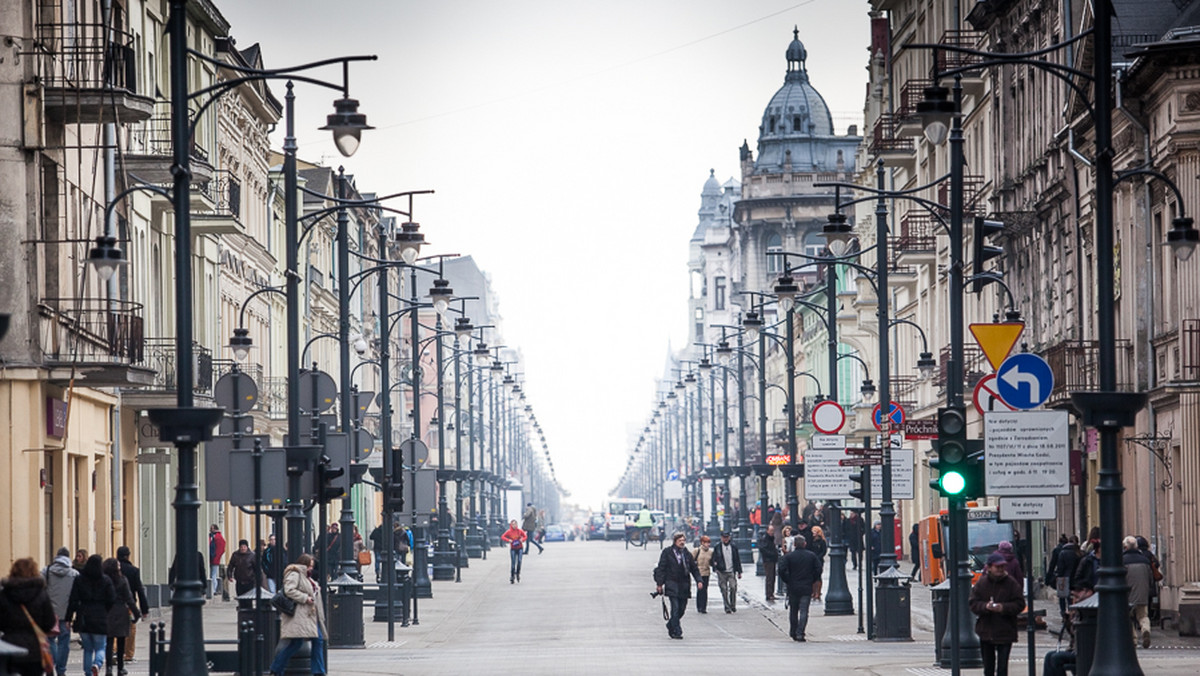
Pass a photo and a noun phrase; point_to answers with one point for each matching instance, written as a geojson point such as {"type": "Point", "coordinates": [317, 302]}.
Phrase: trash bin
{"type": "Point", "coordinates": [1086, 614]}
{"type": "Point", "coordinates": [893, 614]}
{"type": "Point", "coordinates": [264, 634]}
{"type": "Point", "coordinates": [941, 617]}
{"type": "Point", "coordinates": [346, 613]}
{"type": "Point", "coordinates": [399, 597]}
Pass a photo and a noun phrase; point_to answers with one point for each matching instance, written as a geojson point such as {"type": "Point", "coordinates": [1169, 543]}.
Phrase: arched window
{"type": "Point", "coordinates": [774, 263]}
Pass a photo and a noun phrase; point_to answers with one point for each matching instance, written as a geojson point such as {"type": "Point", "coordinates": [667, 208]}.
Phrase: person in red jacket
{"type": "Point", "coordinates": [515, 537]}
{"type": "Point", "coordinates": [216, 552]}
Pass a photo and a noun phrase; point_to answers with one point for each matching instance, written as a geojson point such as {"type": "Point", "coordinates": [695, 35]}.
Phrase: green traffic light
{"type": "Point", "coordinates": [953, 483]}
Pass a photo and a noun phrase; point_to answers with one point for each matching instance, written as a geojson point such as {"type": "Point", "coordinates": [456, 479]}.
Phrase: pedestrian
{"type": "Point", "coordinates": [1086, 574]}
{"type": "Point", "coordinates": [272, 558]}
{"type": "Point", "coordinates": [133, 575]}
{"type": "Point", "coordinates": [328, 546]}
{"type": "Point", "coordinates": [81, 557]}
{"type": "Point", "coordinates": [1050, 578]}
{"type": "Point", "coordinates": [675, 565]}
{"type": "Point", "coordinates": [818, 544]}
{"type": "Point", "coordinates": [529, 524]}
{"type": "Point", "coordinates": [308, 622]}
{"type": "Point", "coordinates": [785, 546]}
{"type": "Point", "coordinates": [377, 546]}
{"type": "Point", "coordinates": [703, 556]}
{"type": "Point", "coordinates": [25, 604]}
{"type": "Point", "coordinates": [728, 564]}
{"type": "Point", "coordinates": [92, 596]}
{"type": "Point", "coordinates": [121, 617]}
{"type": "Point", "coordinates": [60, 578]}
{"type": "Point", "coordinates": [852, 530]}
{"type": "Point", "coordinates": [359, 547]}
{"type": "Point", "coordinates": [1140, 578]}
{"type": "Point", "coordinates": [768, 553]}
{"type": "Point", "coordinates": [914, 549]}
{"type": "Point", "coordinates": [875, 548]}
{"type": "Point", "coordinates": [996, 599]}
{"type": "Point", "coordinates": [515, 538]}
{"type": "Point", "coordinates": [216, 553]}
{"type": "Point", "coordinates": [1012, 563]}
{"type": "Point", "coordinates": [1064, 567]}
{"type": "Point", "coordinates": [243, 568]}
{"type": "Point", "coordinates": [800, 571]}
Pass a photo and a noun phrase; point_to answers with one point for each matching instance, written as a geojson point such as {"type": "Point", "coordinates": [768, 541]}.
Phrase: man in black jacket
{"type": "Point", "coordinates": [728, 564]}
{"type": "Point", "coordinates": [800, 571]}
{"type": "Point", "coordinates": [134, 576]}
{"type": "Point", "coordinates": [671, 576]}
{"type": "Point", "coordinates": [768, 553]}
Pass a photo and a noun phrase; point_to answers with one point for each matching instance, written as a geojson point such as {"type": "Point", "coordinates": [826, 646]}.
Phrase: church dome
{"type": "Point", "coordinates": [797, 109]}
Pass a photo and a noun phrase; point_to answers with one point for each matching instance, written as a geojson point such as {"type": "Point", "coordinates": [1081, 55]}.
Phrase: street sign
{"type": "Point", "coordinates": [825, 478]}
{"type": "Point", "coordinates": [987, 398]}
{"type": "Point", "coordinates": [921, 428]}
{"type": "Point", "coordinates": [1024, 380]}
{"type": "Point", "coordinates": [896, 416]}
{"type": "Point", "coordinates": [903, 475]}
{"type": "Point", "coordinates": [828, 417]}
{"type": "Point", "coordinates": [364, 443]}
{"type": "Point", "coordinates": [672, 475]}
{"type": "Point", "coordinates": [861, 461]}
{"type": "Point", "coordinates": [415, 452]}
{"type": "Point", "coordinates": [673, 489]}
{"type": "Point", "coordinates": [828, 442]}
{"type": "Point", "coordinates": [997, 340]}
{"type": "Point", "coordinates": [1027, 453]}
{"type": "Point", "coordinates": [865, 451]}
{"type": "Point", "coordinates": [235, 392]}
{"type": "Point", "coordinates": [1041, 508]}
{"type": "Point", "coordinates": [316, 389]}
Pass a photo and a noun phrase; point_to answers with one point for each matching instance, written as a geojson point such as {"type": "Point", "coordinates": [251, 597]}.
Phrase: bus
{"type": "Point", "coordinates": [985, 532]}
{"type": "Point", "coordinates": [614, 516]}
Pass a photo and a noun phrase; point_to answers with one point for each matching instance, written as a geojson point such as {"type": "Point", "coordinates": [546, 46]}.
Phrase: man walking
{"type": "Point", "coordinates": [529, 524]}
{"type": "Point", "coordinates": [800, 571]}
{"type": "Point", "coordinates": [243, 566]}
{"type": "Point", "coordinates": [996, 598]}
{"type": "Point", "coordinates": [852, 530]}
{"type": "Point", "coordinates": [60, 578]}
{"type": "Point", "coordinates": [216, 552]}
{"type": "Point", "coordinates": [671, 577]}
{"type": "Point", "coordinates": [133, 575]}
{"type": "Point", "coordinates": [1139, 575]}
{"type": "Point", "coordinates": [728, 565]}
{"type": "Point", "coordinates": [768, 553]}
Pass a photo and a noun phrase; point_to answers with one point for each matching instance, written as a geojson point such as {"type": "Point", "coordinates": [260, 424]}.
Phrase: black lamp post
{"type": "Point", "coordinates": [785, 293]}
{"type": "Point", "coordinates": [443, 558]}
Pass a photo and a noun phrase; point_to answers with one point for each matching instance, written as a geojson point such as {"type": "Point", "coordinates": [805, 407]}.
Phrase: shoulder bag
{"type": "Point", "coordinates": [283, 603]}
{"type": "Point", "coordinates": [43, 643]}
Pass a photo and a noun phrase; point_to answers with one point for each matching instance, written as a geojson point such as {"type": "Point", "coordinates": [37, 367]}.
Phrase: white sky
{"type": "Point", "coordinates": [568, 142]}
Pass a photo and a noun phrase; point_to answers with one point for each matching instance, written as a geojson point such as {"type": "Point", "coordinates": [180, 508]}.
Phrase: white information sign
{"type": "Point", "coordinates": [903, 476]}
{"type": "Point", "coordinates": [1041, 508]}
{"type": "Point", "coordinates": [1027, 453]}
{"type": "Point", "coordinates": [673, 490]}
{"type": "Point", "coordinates": [824, 478]}
{"type": "Point", "coordinates": [829, 442]}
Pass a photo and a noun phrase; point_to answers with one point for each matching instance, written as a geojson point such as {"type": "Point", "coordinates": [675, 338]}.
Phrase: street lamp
{"type": "Point", "coordinates": [346, 123]}
{"type": "Point", "coordinates": [1183, 237]}
{"type": "Point", "coordinates": [106, 258]}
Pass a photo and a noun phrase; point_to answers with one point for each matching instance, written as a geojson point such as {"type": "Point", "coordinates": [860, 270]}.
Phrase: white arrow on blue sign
{"type": "Point", "coordinates": [672, 475]}
{"type": "Point", "coordinates": [1024, 380]}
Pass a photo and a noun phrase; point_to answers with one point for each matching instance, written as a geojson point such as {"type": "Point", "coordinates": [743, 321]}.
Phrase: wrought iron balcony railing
{"type": "Point", "coordinates": [92, 330]}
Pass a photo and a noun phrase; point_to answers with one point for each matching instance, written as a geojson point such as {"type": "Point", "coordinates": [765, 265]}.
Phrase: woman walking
{"type": "Point", "coordinates": [24, 603]}
{"type": "Point", "coordinates": [703, 555]}
{"type": "Point", "coordinates": [515, 537]}
{"type": "Point", "coordinates": [308, 622]}
{"type": "Point", "coordinates": [121, 617]}
{"type": "Point", "coordinates": [91, 598]}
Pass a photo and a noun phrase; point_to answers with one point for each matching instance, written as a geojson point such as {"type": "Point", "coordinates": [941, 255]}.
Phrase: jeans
{"type": "Point", "coordinates": [728, 584]}
{"type": "Point", "coordinates": [856, 557]}
{"type": "Point", "coordinates": [678, 608]}
{"type": "Point", "coordinates": [515, 555]}
{"type": "Point", "coordinates": [214, 574]}
{"type": "Point", "coordinates": [530, 540]}
{"type": "Point", "coordinates": [995, 658]}
{"type": "Point", "coordinates": [317, 658]}
{"type": "Point", "coordinates": [798, 614]}
{"type": "Point", "coordinates": [93, 651]}
{"type": "Point", "coordinates": [114, 651]}
{"type": "Point", "coordinates": [702, 596]}
{"type": "Point", "coordinates": [60, 647]}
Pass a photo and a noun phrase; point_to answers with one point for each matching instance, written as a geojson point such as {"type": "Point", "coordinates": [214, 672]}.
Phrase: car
{"type": "Point", "coordinates": [594, 530]}
{"type": "Point", "coordinates": [554, 533]}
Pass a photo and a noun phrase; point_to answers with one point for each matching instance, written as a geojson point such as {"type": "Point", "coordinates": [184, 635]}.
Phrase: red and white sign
{"type": "Point", "coordinates": [779, 459]}
{"type": "Point", "coordinates": [828, 417]}
{"type": "Point", "coordinates": [987, 396]}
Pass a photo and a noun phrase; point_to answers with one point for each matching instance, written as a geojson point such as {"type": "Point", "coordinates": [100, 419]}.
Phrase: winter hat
{"type": "Point", "coordinates": [994, 558]}
{"type": "Point", "coordinates": [1005, 546]}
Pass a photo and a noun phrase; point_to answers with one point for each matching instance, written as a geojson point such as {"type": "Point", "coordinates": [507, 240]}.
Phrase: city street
{"type": "Point", "coordinates": [584, 608]}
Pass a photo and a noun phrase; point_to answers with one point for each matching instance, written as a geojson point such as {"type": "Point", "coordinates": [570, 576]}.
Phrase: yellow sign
{"type": "Point", "coordinates": [997, 340]}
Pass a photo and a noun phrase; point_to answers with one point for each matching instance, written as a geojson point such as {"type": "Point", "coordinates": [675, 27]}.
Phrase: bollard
{"type": "Point", "coordinates": [941, 616]}
{"type": "Point", "coordinates": [1086, 612]}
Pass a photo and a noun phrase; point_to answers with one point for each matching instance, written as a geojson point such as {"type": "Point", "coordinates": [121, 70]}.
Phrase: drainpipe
{"type": "Point", "coordinates": [116, 289]}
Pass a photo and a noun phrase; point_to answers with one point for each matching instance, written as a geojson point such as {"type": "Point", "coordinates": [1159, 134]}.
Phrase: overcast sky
{"type": "Point", "coordinates": [568, 142]}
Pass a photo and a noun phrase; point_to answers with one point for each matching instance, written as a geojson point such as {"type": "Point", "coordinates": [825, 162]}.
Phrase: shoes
{"type": "Point", "coordinates": [733, 609]}
{"type": "Point", "coordinates": [727, 611]}
{"type": "Point", "coordinates": [702, 612]}
{"type": "Point", "coordinates": [122, 672]}
{"type": "Point", "coordinates": [543, 549]}
{"type": "Point", "coordinates": [512, 580]}
{"type": "Point", "coordinates": [677, 636]}
{"type": "Point", "coordinates": [1145, 639]}
{"type": "Point", "coordinates": [95, 670]}
{"type": "Point", "coordinates": [799, 639]}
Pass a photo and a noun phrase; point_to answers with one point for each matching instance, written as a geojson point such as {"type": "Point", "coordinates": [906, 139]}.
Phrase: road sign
{"type": "Point", "coordinates": [997, 340]}
{"type": "Point", "coordinates": [414, 452]}
{"type": "Point", "coordinates": [861, 461]}
{"type": "Point", "coordinates": [828, 442]}
{"type": "Point", "coordinates": [673, 489]}
{"type": "Point", "coordinates": [865, 451]}
{"type": "Point", "coordinates": [1027, 453]}
{"type": "Point", "coordinates": [672, 475]}
{"type": "Point", "coordinates": [903, 475]}
{"type": "Point", "coordinates": [1024, 380]}
{"type": "Point", "coordinates": [921, 428]}
{"type": "Point", "coordinates": [236, 392]}
{"type": "Point", "coordinates": [828, 417]}
{"type": "Point", "coordinates": [987, 398]}
{"type": "Point", "coordinates": [896, 416]}
{"type": "Point", "coordinates": [1041, 508]}
{"type": "Point", "coordinates": [825, 478]}
{"type": "Point", "coordinates": [316, 389]}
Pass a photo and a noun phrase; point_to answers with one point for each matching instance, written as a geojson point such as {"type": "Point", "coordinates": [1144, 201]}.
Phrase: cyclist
{"type": "Point", "coordinates": [644, 522]}
{"type": "Point", "coordinates": [515, 538]}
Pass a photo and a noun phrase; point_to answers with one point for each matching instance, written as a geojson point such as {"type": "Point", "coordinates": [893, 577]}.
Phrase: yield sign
{"type": "Point", "coordinates": [997, 340]}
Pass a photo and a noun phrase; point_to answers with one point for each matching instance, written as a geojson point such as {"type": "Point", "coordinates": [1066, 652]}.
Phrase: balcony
{"type": "Point", "coordinates": [159, 356]}
{"type": "Point", "coordinates": [151, 157]}
{"type": "Point", "coordinates": [221, 210]}
{"type": "Point", "coordinates": [1189, 350]}
{"type": "Point", "coordinates": [888, 145]}
{"type": "Point", "coordinates": [972, 191]}
{"type": "Point", "coordinates": [917, 242]}
{"type": "Point", "coordinates": [1076, 368]}
{"type": "Point", "coordinates": [94, 342]}
{"type": "Point", "coordinates": [972, 80]}
{"type": "Point", "coordinates": [974, 367]}
{"type": "Point", "coordinates": [272, 397]}
{"type": "Point", "coordinates": [911, 93]}
{"type": "Point", "coordinates": [89, 74]}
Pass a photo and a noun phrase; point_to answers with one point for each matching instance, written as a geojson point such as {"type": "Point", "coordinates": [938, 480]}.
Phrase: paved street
{"type": "Point", "coordinates": [584, 608]}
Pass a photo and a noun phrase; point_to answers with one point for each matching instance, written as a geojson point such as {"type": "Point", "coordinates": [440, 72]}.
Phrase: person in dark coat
{"type": "Point", "coordinates": [1064, 568]}
{"type": "Point", "coordinates": [272, 563]}
{"type": "Point", "coordinates": [1140, 578]}
{"type": "Point", "coordinates": [876, 547]}
{"type": "Point", "coordinates": [768, 553]}
{"type": "Point", "coordinates": [121, 617]}
{"type": "Point", "coordinates": [914, 550]}
{"type": "Point", "coordinates": [243, 568]}
{"type": "Point", "coordinates": [91, 598]}
{"type": "Point", "coordinates": [727, 563]}
{"type": "Point", "coordinates": [1012, 562]}
{"type": "Point", "coordinates": [800, 571]}
{"type": "Point", "coordinates": [852, 533]}
{"type": "Point", "coordinates": [133, 575]}
{"type": "Point", "coordinates": [25, 591]}
{"type": "Point", "coordinates": [671, 574]}
{"type": "Point", "coordinates": [997, 601]}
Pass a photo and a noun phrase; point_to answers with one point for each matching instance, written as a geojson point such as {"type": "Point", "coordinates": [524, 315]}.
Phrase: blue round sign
{"type": "Point", "coordinates": [1024, 381]}
{"type": "Point", "coordinates": [672, 475]}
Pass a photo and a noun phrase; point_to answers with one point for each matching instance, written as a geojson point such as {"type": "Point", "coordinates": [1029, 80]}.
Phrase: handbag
{"type": "Point", "coordinates": [364, 558]}
{"type": "Point", "coordinates": [283, 603]}
{"type": "Point", "coordinates": [43, 643]}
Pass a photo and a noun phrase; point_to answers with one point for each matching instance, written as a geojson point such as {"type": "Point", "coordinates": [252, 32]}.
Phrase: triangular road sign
{"type": "Point", "coordinates": [997, 340]}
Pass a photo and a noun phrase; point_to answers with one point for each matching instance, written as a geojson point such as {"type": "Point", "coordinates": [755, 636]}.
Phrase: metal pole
{"type": "Point", "coordinates": [793, 500]}
{"type": "Point", "coordinates": [295, 511]}
{"type": "Point", "coordinates": [348, 564]}
{"type": "Point", "coordinates": [392, 475]}
{"type": "Point", "coordinates": [422, 586]}
{"type": "Point", "coordinates": [743, 534]}
{"type": "Point", "coordinates": [459, 522]}
{"type": "Point", "coordinates": [838, 600]}
{"type": "Point", "coordinates": [443, 568]}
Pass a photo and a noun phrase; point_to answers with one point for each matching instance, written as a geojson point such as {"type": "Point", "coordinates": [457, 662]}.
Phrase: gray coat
{"type": "Point", "coordinates": [299, 588]}
{"type": "Point", "coordinates": [1138, 576]}
{"type": "Point", "coordinates": [60, 577]}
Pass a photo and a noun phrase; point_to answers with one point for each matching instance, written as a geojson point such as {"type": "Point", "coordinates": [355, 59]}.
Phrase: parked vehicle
{"type": "Point", "coordinates": [555, 533]}
{"type": "Point", "coordinates": [594, 529]}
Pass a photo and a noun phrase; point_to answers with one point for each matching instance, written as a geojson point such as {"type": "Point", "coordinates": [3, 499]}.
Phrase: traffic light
{"type": "Point", "coordinates": [983, 252]}
{"type": "Point", "coordinates": [862, 492]}
{"type": "Point", "coordinates": [951, 462]}
{"type": "Point", "coordinates": [393, 494]}
{"type": "Point", "coordinates": [327, 481]}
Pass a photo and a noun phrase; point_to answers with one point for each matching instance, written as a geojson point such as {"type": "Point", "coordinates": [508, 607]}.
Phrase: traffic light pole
{"type": "Point", "coordinates": [393, 474]}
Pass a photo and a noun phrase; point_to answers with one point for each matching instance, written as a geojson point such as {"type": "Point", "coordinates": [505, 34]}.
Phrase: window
{"type": "Point", "coordinates": [808, 264]}
{"type": "Point", "coordinates": [718, 293]}
{"type": "Point", "coordinates": [699, 324]}
{"type": "Point", "coordinates": [774, 263]}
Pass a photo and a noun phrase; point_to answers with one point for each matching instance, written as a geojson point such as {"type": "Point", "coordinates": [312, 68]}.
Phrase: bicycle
{"type": "Point", "coordinates": [640, 539]}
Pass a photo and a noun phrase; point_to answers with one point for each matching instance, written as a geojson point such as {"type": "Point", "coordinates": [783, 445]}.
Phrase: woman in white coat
{"type": "Point", "coordinates": [308, 622]}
